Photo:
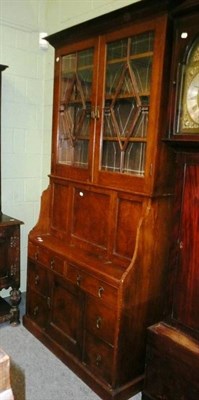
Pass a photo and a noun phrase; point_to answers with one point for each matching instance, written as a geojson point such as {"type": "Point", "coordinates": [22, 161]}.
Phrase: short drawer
{"type": "Point", "coordinates": [37, 308]}
{"type": "Point", "coordinates": [44, 256]}
{"type": "Point", "coordinates": [98, 357]}
{"type": "Point", "coordinates": [38, 279]}
{"type": "Point", "coordinates": [92, 285]}
{"type": "Point", "coordinates": [55, 263]}
{"type": "Point", "coordinates": [100, 320]}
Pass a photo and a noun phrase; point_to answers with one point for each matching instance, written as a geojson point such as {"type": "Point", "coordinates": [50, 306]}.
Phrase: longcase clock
{"type": "Point", "coordinates": [172, 365]}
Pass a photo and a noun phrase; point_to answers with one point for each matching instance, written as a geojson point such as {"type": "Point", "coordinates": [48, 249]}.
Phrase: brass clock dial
{"type": "Point", "coordinates": [192, 99]}
{"type": "Point", "coordinates": [189, 99]}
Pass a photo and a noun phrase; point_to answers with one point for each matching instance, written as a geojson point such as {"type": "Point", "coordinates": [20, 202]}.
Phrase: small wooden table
{"type": "Point", "coordinates": [10, 268]}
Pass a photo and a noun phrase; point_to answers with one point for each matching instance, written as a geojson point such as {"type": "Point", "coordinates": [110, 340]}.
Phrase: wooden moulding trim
{"type": "Point", "coordinates": [125, 15]}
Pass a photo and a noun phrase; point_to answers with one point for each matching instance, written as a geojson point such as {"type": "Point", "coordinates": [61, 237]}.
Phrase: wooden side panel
{"type": "Point", "coordinates": [186, 300]}
{"type": "Point", "coordinates": [43, 223]}
{"type": "Point", "coordinates": [143, 289]}
{"type": "Point", "coordinates": [128, 216]}
{"type": "Point", "coordinates": [90, 217]}
{"type": "Point", "coordinates": [60, 207]}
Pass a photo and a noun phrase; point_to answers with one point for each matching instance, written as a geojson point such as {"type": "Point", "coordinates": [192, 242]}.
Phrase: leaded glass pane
{"type": "Point", "coordinates": [142, 43]}
{"type": "Point", "coordinates": [127, 100]}
{"type": "Point", "coordinates": [141, 126]}
{"type": "Point", "coordinates": [142, 70]}
{"type": "Point", "coordinates": [113, 73]}
{"type": "Point", "coordinates": [123, 116]}
{"type": "Point", "coordinates": [117, 49]}
{"type": "Point", "coordinates": [134, 160]}
{"type": "Point", "coordinates": [111, 156]}
{"type": "Point", "coordinates": [75, 108]}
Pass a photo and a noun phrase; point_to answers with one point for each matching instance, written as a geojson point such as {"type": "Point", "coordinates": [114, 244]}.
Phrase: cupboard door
{"type": "Point", "coordinates": [66, 315]}
{"type": "Point", "coordinates": [76, 71]}
{"type": "Point", "coordinates": [186, 300]}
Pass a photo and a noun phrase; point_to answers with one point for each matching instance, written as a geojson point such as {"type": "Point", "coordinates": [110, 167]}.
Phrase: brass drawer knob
{"type": "Point", "coordinates": [98, 360]}
{"type": "Point", "coordinates": [52, 263]}
{"type": "Point", "coordinates": [36, 280]}
{"type": "Point", "coordinates": [100, 291]}
{"type": "Point", "coordinates": [48, 302]}
{"type": "Point", "coordinates": [98, 322]}
{"type": "Point", "coordinates": [78, 280]}
{"type": "Point", "coordinates": [35, 311]}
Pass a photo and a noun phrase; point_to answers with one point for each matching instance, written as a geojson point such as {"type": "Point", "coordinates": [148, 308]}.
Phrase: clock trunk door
{"type": "Point", "coordinates": [186, 300]}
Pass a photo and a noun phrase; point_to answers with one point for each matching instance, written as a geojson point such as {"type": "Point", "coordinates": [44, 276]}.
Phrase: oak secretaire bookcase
{"type": "Point", "coordinates": [97, 258]}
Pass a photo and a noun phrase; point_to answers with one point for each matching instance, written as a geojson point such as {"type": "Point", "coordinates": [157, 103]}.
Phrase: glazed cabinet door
{"type": "Point", "coordinates": [107, 104]}
{"type": "Point", "coordinates": [75, 109]}
{"type": "Point", "coordinates": [133, 62]}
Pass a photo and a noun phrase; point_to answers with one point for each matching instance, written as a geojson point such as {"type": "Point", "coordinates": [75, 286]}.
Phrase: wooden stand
{"type": "Point", "coordinates": [10, 268]}
{"type": "Point", "coordinates": [9, 259]}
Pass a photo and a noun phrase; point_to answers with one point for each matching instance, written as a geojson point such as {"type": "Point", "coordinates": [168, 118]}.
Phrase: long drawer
{"type": "Point", "coordinates": [92, 285]}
